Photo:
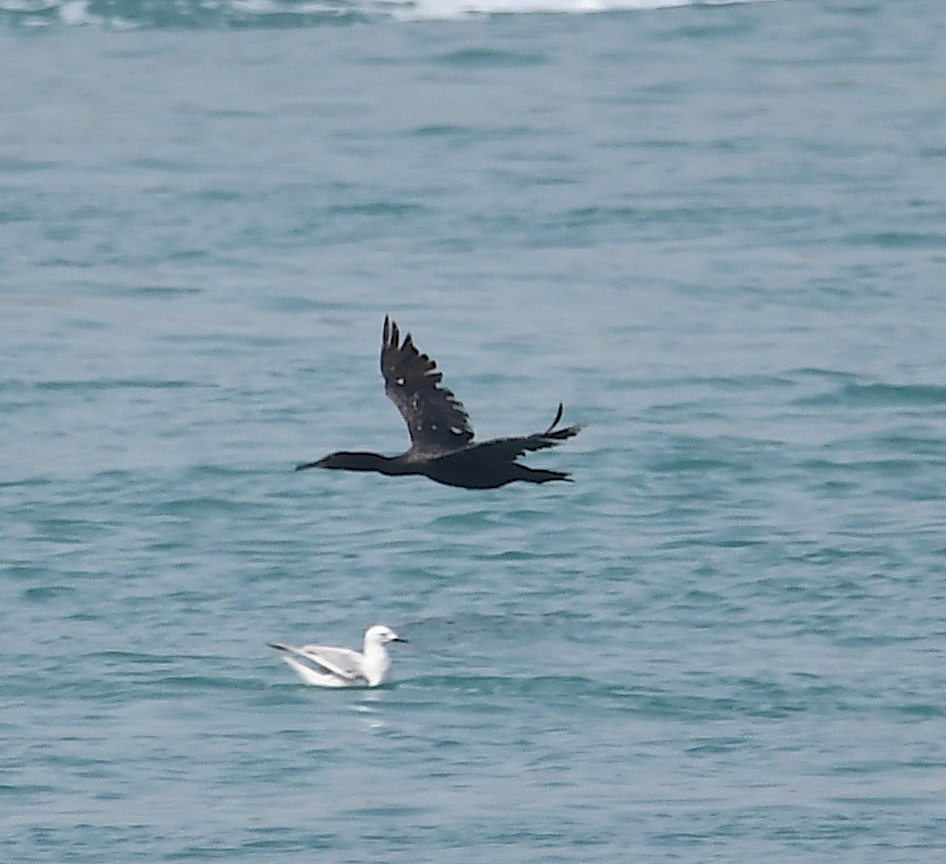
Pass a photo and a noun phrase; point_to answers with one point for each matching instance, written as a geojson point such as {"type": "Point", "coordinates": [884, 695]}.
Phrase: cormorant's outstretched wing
{"type": "Point", "coordinates": [511, 448]}
{"type": "Point", "coordinates": [436, 420]}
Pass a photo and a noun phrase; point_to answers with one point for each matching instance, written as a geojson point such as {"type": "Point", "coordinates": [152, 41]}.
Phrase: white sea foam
{"type": "Point", "coordinates": [128, 16]}
{"type": "Point", "coordinates": [447, 9]}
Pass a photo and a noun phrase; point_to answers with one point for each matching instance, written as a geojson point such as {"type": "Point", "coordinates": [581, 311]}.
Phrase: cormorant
{"type": "Point", "coordinates": [442, 445]}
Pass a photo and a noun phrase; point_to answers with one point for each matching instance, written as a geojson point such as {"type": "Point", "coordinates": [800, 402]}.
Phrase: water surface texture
{"type": "Point", "coordinates": [715, 231]}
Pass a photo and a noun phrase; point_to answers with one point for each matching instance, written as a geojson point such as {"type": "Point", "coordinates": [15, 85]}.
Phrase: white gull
{"type": "Point", "coordinates": [325, 666]}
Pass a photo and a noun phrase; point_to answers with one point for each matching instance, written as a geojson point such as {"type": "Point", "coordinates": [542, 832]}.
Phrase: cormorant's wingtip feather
{"type": "Point", "coordinates": [558, 418]}
{"type": "Point", "coordinates": [558, 414]}
{"type": "Point", "coordinates": [390, 333]}
{"type": "Point", "coordinates": [391, 337]}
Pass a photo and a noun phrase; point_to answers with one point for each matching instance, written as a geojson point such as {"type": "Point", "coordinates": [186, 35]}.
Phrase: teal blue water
{"type": "Point", "coordinates": [714, 231]}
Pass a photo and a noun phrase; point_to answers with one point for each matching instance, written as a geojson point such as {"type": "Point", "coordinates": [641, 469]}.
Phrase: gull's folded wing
{"type": "Point", "coordinates": [342, 662]}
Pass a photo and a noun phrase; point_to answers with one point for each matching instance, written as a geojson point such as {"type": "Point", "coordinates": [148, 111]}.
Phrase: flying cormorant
{"type": "Point", "coordinates": [442, 445]}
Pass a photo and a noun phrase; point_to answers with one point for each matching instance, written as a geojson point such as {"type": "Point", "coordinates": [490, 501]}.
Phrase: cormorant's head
{"type": "Point", "coordinates": [333, 460]}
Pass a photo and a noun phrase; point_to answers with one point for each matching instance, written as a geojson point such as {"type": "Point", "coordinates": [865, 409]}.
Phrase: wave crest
{"type": "Point", "coordinates": [160, 14]}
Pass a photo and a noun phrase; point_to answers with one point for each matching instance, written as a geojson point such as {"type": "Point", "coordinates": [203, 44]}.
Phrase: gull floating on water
{"type": "Point", "coordinates": [325, 666]}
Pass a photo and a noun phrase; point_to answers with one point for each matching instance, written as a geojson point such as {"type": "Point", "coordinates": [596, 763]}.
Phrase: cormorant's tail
{"type": "Point", "coordinates": [539, 475]}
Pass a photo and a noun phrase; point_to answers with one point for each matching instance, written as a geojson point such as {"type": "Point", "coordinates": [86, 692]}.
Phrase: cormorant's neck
{"type": "Point", "coordinates": [361, 461]}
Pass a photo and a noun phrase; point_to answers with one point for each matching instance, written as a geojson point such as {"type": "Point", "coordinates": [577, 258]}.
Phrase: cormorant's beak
{"type": "Point", "coordinates": [317, 464]}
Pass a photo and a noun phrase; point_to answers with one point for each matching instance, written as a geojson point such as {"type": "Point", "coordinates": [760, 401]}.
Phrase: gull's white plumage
{"type": "Point", "coordinates": [327, 666]}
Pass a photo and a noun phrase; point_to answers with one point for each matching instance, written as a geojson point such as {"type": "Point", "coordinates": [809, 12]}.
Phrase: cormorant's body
{"type": "Point", "coordinates": [442, 446]}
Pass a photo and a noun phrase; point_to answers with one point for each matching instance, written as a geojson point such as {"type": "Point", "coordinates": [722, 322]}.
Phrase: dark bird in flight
{"type": "Point", "coordinates": [442, 446]}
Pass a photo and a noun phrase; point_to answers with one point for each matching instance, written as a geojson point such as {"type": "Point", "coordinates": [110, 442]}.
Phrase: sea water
{"type": "Point", "coordinates": [714, 231]}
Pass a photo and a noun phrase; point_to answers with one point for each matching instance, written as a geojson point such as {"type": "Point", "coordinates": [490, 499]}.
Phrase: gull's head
{"type": "Point", "coordinates": [380, 634]}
